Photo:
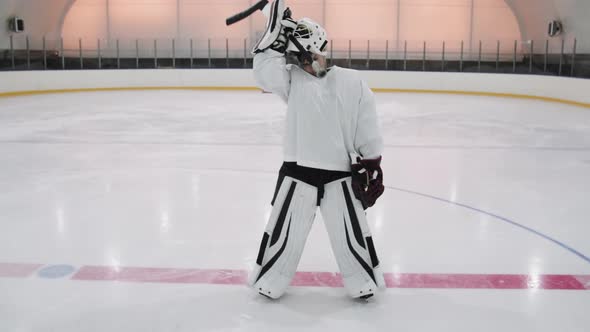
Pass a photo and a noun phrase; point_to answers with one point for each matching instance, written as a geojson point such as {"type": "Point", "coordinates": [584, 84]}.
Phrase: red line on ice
{"type": "Point", "coordinates": [328, 279]}
{"type": "Point", "coordinates": [310, 279]}
{"type": "Point", "coordinates": [17, 270]}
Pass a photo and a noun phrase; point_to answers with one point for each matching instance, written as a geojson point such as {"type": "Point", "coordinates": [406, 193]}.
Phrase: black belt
{"type": "Point", "coordinates": [312, 176]}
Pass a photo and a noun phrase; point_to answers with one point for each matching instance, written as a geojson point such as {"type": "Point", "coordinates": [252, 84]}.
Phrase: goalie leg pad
{"type": "Point", "coordinates": [351, 239]}
{"type": "Point", "coordinates": [284, 238]}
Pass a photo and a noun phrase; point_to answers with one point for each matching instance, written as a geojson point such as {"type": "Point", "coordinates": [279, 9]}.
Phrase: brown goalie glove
{"type": "Point", "coordinates": [367, 180]}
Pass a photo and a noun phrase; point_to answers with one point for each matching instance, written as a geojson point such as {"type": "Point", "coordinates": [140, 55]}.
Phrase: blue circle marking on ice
{"type": "Point", "coordinates": [506, 220]}
{"type": "Point", "coordinates": [56, 271]}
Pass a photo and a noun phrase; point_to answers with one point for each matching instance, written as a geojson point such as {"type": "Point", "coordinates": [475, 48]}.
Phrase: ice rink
{"type": "Point", "coordinates": [143, 211]}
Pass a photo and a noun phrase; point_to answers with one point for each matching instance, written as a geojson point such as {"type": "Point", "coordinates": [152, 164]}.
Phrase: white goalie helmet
{"type": "Point", "coordinates": [311, 36]}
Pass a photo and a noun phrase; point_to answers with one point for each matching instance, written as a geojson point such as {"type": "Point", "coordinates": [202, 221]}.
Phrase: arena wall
{"type": "Point", "coordinates": [558, 89]}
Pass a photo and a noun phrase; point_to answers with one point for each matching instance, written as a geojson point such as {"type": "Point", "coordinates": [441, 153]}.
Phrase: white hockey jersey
{"type": "Point", "coordinates": [327, 118]}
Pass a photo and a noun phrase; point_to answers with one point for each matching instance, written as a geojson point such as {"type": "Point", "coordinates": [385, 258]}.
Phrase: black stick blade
{"type": "Point", "coordinates": [240, 16]}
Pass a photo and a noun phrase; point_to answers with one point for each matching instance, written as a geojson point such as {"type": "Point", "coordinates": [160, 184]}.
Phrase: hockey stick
{"type": "Point", "coordinates": [240, 16]}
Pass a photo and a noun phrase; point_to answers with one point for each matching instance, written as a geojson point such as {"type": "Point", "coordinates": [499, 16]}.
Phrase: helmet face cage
{"type": "Point", "coordinates": [311, 36]}
{"type": "Point", "coordinates": [302, 32]}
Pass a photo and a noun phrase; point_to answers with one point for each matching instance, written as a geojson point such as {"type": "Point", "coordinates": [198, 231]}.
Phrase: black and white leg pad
{"type": "Point", "coordinates": [351, 240]}
{"type": "Point", "coordinates": [283, 241]}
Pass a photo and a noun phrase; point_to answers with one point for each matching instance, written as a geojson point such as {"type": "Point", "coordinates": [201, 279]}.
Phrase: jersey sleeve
{"type": "Point", "coordinates": [368, 141]}
{"type": "Point", "coordinates": [272, 74]}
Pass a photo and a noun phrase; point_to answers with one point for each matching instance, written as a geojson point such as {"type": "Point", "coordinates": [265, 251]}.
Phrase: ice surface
{"type": "Point", "coordinates": [183, 180]}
